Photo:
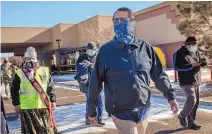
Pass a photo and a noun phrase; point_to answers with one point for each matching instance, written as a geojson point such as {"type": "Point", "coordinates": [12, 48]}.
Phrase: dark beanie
{"type": "Point", "coordinates": [91, 45]}
{"type": "Point", "coordinates": [191, 39]}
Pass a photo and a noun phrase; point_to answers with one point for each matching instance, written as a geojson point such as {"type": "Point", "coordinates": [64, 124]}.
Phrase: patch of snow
{"type": "Point", "coordinates": [65, 77]}
{"type": "Point", "coordinates": [70, 119]}
{"type": "Point", "coordinates": [70, 87]}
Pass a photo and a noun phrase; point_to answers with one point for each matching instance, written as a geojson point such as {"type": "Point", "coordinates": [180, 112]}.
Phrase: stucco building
{"type": "Point", "coordinates": [156, 24]}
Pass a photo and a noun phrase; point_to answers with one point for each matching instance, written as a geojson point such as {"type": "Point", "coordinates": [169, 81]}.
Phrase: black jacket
{"type": "Point", "coordinates": [184, 59]}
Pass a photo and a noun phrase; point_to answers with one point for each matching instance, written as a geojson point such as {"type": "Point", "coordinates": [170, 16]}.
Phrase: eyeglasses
{"type": "Point", "coordinates": [122, 19]}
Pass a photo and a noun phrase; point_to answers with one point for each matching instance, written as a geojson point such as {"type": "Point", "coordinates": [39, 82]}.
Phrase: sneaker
{"type": "Point", "coordinates": [100, 122]}
{"type": "Point", "coordinates": [194, 126]}
{"type": "Point", "coordinates": [87, 122]}
{"type": "Point", "coordinates": [183, 121]}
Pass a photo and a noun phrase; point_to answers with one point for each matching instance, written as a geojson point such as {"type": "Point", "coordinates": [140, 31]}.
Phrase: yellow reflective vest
{"type": "Point", "coordinates": [29, 97]}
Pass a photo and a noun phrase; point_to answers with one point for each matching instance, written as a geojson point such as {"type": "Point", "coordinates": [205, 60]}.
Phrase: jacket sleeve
{"type": "Point", "coordinates": [160, 78]}
{"type": "Point", "coordinates": [181, 61]}
{"type": "Point", "coordinates": [95, 84]}
{"type": "Point", "coordinates": [51, 90]}
{"type": "Point", "coordinates": [82, 66]}
{"type": "Point", "coordinates": [15, 88]}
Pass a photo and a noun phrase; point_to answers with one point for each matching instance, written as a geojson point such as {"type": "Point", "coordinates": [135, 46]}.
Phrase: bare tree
{"type": "Point", "coordinates": [196, 19]}
{"type": "Point", "coordinates": [91, 32]}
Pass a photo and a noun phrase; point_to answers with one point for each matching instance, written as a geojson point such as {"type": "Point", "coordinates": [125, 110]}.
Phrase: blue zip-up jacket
{"type": "Point", "coordinates": [83, 71]}
{"type": "Point", "coordinates": [126, 71]}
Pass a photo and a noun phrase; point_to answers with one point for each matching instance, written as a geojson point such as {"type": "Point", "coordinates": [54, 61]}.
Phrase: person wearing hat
{"type": "Point", "coordinates": [33, 96]}
{"type": "Point", "coordinates": [188, 62]}
{"type": "Point", "coordinates": [7, 73]}
{"type": "Point", "coordinates": [84, 66]}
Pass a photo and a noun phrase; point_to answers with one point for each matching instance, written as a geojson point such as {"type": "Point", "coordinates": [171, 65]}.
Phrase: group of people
{"type": "Point", "coordinates": [121, 68]}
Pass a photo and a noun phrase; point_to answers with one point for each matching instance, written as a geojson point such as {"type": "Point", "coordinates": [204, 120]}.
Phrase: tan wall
{"type": "Point", "coordinates": [56, 34]}
{"type": "Point", "coordinates": [106, 31]}
{"type": "Point", "coordinates": [169, 51]}
{"type": "Point", "coordinates": [22, 35]}
{"type": "Point", "coordinates": [65, 26]}
{"type": "Point", "coordinates": [88, 31]}
{"type": "Point", "coordinates": [70, 37]}
{"type": "Point", "coordinates": [158, 23]}
{"type": "Point", "coordinates": [159, 30]}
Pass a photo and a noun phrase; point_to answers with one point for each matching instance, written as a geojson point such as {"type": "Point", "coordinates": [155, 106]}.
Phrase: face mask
{"type": "Point", "coordinates": [91, 52]}
{"type": "Point", "coordinates": [124, 31]}
{"type": "Point", "coordinates": [31, 64]}
{"type": "Point", "coordinates": [192, 48]}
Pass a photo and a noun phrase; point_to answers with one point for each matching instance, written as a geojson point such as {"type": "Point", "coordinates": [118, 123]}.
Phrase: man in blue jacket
{"type": "Point", "coordinates": [125, 65]}
{"type": "Point", "coordinates": [84, 67]}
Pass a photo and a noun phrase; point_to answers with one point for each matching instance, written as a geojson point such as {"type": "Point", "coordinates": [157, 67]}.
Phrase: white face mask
{"type": "Point", "coordinates": [192, 48]}
{"type": "Point", "coordinates": [91, 52]}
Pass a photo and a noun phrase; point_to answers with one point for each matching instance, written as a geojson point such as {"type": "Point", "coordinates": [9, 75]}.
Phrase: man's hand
{"type": "Point", "coordinates": [195, 64]}
{"type": "Point", "coordinates": [53, 105]}
{"type": "Point", "coordinates": [91, 65]}
{"type": "Point", "coordinates": [17, 108]}
{"type": "Point", "coordinates": [93, 120]}
{"type": "Point", "coordinates": [174, 106]}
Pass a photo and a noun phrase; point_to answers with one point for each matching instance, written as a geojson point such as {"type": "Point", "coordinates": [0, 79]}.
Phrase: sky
{"type": "Point", "coordinates": [48, 14]}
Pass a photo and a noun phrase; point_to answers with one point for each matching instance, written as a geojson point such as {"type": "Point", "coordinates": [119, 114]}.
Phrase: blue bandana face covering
{"type": "Point", "coordinates": [124, 31]}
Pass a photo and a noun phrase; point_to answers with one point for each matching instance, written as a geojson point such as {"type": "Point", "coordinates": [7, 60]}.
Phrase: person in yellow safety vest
{"type": "Point", "coordinates": [35, 116]}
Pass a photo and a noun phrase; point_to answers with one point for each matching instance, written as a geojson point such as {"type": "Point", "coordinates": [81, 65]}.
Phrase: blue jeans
{"type": "Point", "coordinates": [99, 107]}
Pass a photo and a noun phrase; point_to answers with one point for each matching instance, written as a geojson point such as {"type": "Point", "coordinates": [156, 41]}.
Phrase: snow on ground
{"type": "Point", "coordinates": [64, 77]}
{"type": "Point", "coordinates": [206, 74]}
{"type": "Point", "coordinates": [70, 118]}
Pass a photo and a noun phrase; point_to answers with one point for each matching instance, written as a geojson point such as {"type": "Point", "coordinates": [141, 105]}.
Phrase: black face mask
{"type": "Point", "coordinates": [31, 64]}
{"type": "Point", "coordinates": [5, 61]}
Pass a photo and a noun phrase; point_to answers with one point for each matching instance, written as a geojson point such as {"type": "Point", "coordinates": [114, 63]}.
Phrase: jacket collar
{"type": "Point", "coordinates": [120, 45]}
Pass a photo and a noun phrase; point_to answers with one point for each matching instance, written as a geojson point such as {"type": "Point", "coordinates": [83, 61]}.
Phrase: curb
{"type": "Point", "coordinates": [201, 102]}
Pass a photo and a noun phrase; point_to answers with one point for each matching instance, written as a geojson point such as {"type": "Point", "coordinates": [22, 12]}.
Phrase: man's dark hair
{"type": "Point", "coordinates": [131, 14]}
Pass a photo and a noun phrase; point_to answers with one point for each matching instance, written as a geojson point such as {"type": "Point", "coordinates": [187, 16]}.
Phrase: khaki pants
{"type": "Point", "coordinates": [130, 127]}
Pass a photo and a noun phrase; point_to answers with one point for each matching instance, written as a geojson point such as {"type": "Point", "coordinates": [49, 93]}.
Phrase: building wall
{"type": "Point", "coordinates": [25, 35]}
{"type": "Point", "coordinates": [169, 49]}
{"type": "Point", "coordinates": [106, 31]}
{"type": "Point", "coordinates": [158, 25]}
{"type": "Point", "coordinates": [158, 30]}
{"type": "Point", "coordinates": [70, 37]}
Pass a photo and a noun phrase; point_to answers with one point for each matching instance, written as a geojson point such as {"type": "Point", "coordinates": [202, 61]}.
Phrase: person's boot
{"type": "Point", "coordinates": [87, 122]}
{"type": "Point", "coordinates": [100, 122]}
{"type": "Point", "coordinates": [194, 126]}
{"type": "Point", "coordinates": [183, 121]}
